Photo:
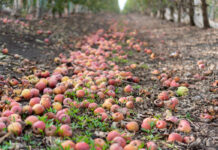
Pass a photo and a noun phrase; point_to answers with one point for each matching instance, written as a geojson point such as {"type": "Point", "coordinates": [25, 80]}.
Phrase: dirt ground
{"type": "Point", "coordinates": [177, 49]}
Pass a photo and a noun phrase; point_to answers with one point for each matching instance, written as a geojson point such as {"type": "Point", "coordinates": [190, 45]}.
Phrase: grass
{"type": "Point", "coordinates": [186, 116]}
{"type": "Point", "coordinates": [157, 116]}
{"type": "Point", "coordinates": [130, 53]}
{"type": "Point", "coordinates": [85, 121]}
{"type": "Point", "coordinates": [118, 60]}
{"type": "Point", "coordinates": [150, 133]}
{"type": "Point", "coordinates": [117, 90]}
{"type": "Point", "coordinates": [152, 137]}
{"type": "Point", "coordinates": [28, 138]}
{"type": "Point", "coordinates": [144, 66]}
{"type": "Point", "coordinates": [51, 110]}
{"type": "Point", "coordinates": [6, 145]}
{"type": "Point", "coordinates": [137, 87]}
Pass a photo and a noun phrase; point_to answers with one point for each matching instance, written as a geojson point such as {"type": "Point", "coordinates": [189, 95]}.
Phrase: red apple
{"type": "Point", "coordinates": [151, 145]}
{"type": "Point", "coordinates": [64, 118]}
{"type": "Point", "coordinates": [119, 140]}
{"type": "Point", "coordinates": [80, 93]}
{"type": "Point", "coordinates": [15, 118]}
{"type": "Point", "coordinates": [34, 100]}
{"type": "Point", "coordinates": [67, 102]}
{"type": "Point", "coordinates": [45, 102]}
{"type": "Point", "coordinates": [130, 105]}
{"type": "Point", "coordinates": [111, 135]}
{"type": "Point", "coordinates": [172, 103]}
{"type": "Point", "coordinates": [50, 115]}
{"type": "Point", "coordinates": [174, 137]}
{"type": "Point", "coordinates": [57, 106]}
{"type": "Point", "coordinates": [65, 131]}
{"type": "Point", "coordinates": [136, 143]}
{"type": "Point", "coordinates": [147, 123]}
{"type": "Point", "coordinates": [48, 91]}
{"type": "Point", "coordinates": [52, 81]}
{"type": "Point", "coordinates": [115, 146]}
{"type": "Point", "coordinates": [117, 116]}
{"type": "Point", "coordinates": [5, 120]}
{"type": "Point", "coordinates": [132, 126]}
{"type": "Point", "coordinates": [163, 95]}
{"type": "Point", "coordinates": [188, 139]}
{"type": "Point", "coordinates": [26, 93]}
{"type": "Point", "coordinates": [7, 113]}
{"type": "Point", "coordinates": [30, 120]}
{"type": "Point", "coordinates": [99, 110]}
{"type": "Point", "coordinates": [38, 127]}
{"type": "Point", "coordinates": [46, 40]}
{"type": "Point", "coordinates": [27, 109]}
{"type": "Point", "coordinates": [59, 98]}
{"type": "Point", "coordinates": [99, 142]}
{"type": "Point", "coordinates": [92, 106]}
{"type": "Point", "coordinates": [85, 104]}
{"type": "Point", "coordinates": [128, 89]}
{"type": "Point", "coordinates": [16, 109]}
{"type": "Point", "coordinates": [82, 146]}
{"type": "Point", "coordinates": [40, 85]}
{"type": "Point", "coordinates": [2, 126]}
{"type": "Point", "coordinates": [5, 51]}
{"type": "Point", "coordinates": [161, 124]}
{"type": "Point", "coordinates": [38, 109]}
{"type": "Point", "coordinates": [130, 147]}
{"type": "Point", "coordinates": [184, 126]}
{"type": "Point", "coordinates": [50, 131]}
{"type": "Point", "coordinates": [114, 108]}
{"type": "Point", "coordinates": [139, 100]}
{"type": "Point", "coordinates": [68, 145]}
{"type": "Point", "coordinates": [107, 105]}
{"type": "Point", "coordinates": [15, 128]}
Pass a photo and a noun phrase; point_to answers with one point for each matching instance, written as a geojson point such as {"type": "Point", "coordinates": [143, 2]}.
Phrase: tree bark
{"type": "Point", "coordinates": [15, 7]}
{"type": "Point", "coordinates": [191, 12]}
{"type": "Point", "coordinates": [162, 9]}
{"type": "Point", "coordinates": [171, 13]}
{"type": "Point", "coordinates": [38, 9]}
{"type": "Point", "coordinates": [205, 14]}
{"type": "Point", "coordinates": [213, 11]}
{"type": "Point", "coordinates": [162, 13]}
{"type": "Point", "coordinates": [179, 11]}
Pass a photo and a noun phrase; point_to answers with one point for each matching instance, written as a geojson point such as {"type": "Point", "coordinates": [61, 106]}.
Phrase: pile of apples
{"type": "Point", "coordinates": [88, 73]}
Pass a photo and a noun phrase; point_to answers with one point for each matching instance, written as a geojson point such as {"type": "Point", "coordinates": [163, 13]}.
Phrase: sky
{"type": "Point", "coordinates": [122, 4]}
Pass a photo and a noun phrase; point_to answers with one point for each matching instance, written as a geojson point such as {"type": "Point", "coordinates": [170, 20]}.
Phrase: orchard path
{"type": "Point", "coordinates": [178, 48]}
{"type": "Point", "coordinates": [191, 44]}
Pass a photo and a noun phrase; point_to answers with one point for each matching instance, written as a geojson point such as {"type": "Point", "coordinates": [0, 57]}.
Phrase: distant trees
{"type": "Point", "coordinates": [131, 6]}
{"type": "Point", "coordinates": [41, 7]}
{"type": "Point", "coordinates": [158, 7]}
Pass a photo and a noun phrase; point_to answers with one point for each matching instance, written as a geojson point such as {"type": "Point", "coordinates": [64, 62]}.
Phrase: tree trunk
{"type": "Point", "coordinates": [15, 8]}
{"type": "Point", "coordinates": [191, 12]}
{"type": "Point", "coordinates": [179, 11]}
{"type": "Point", "coordinates": [205, 15]}
{"type": "Point", "coordinates": [213, 10]}
{"type": "Point", "coordinates": [38, 9]}
{"type": "Point", "coordinates": [60, 14]}
{"type": "Point", "coordinates": [162, 13]}
{"type": "Point", "coordinates": [162, 9]}
{"type": "Point", "coordinates": [171, 13]}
